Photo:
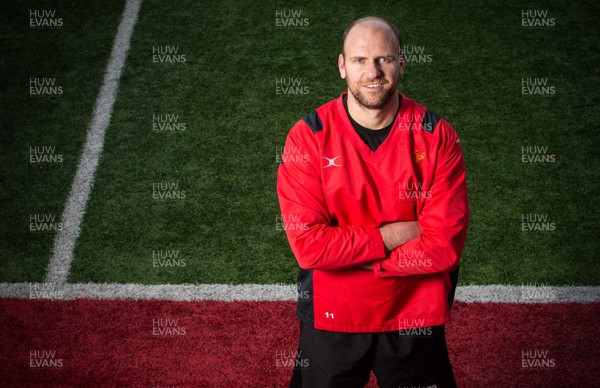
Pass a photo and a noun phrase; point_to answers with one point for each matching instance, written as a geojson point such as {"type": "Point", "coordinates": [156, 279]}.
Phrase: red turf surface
{"type": "Point", "coordinates": [113, 343]}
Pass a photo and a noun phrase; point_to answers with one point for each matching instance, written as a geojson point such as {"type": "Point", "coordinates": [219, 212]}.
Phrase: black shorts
{"type": "Point", "coordinates": [405, 358]}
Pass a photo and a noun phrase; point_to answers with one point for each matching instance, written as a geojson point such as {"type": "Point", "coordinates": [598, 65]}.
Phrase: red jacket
{"type": "Point", "coordinates": [335, 193]}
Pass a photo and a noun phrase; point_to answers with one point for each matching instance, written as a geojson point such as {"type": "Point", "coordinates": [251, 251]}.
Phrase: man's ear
{"type": "Point", "coordinates": [341, 66]}
{"type": "Point", "coordinates": [402, 63]}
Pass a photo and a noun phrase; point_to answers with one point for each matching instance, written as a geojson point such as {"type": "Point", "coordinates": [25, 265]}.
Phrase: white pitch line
{"type": "Point", "coordinates": [64, 242]}
{"type": "Point", "coordinates": [278, 292]}
{"type": "Point", "coordinates": [56, 288]}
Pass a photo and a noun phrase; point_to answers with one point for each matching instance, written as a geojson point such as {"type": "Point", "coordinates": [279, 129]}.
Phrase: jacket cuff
{"type": "Point", "coordinates": [377, 246]}
{"type": "Point", "coordinates": [382, 269]}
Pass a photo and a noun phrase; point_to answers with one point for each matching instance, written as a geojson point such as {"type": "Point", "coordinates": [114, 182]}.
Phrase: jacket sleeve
{"type": "Point", "coordinates": [443, 218]}
{"type": "Point", "coordinates": [315, 241]}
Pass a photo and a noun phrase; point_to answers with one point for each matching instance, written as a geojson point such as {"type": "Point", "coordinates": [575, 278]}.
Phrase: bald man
{"type": "Point", "coordinates": [373, 196]}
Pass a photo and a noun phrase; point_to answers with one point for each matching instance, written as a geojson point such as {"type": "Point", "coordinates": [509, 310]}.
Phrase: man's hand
{"type": "Point", "coordinates": [367, 266]}
{"type": "Point", "coordinates": [394, 235]}
{"type": "Point", "coordinates": [398, 233]}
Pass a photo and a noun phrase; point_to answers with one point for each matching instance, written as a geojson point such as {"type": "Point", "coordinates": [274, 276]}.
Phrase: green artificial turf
{"type": "Point", "coordinates": [74, 56]}
{"type": "Point", "coordinates": [225, 229]}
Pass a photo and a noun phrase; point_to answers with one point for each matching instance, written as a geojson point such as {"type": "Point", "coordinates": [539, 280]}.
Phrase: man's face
{"type": "Point", "coordinates": [371, 65]}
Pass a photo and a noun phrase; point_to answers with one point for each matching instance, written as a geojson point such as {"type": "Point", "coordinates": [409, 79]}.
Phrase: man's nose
{"type": "Point", "coordinates": [374, 70]}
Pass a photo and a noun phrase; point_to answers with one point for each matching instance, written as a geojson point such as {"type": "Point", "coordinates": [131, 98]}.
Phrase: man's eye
{"type": "Point", "coordinates": [384, 60]}
{"type": "Point", "coordinates": [358, 60]}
